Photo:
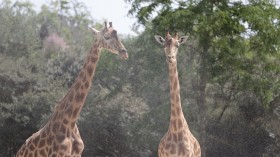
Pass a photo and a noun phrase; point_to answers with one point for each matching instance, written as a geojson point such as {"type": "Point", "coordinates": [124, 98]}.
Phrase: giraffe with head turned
{"type": "Point", "coordinates": [178, 141]}
{"type": "Point", "coordinates": [60, 137]}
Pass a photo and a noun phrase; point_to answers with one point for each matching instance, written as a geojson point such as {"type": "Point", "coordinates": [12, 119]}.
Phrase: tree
{"type": "Point", "coordinates": [30, 80]}
{"type": "Point", "coordinates": [128, 105]}
{"type": "Point", "coordinates": [233, 41]}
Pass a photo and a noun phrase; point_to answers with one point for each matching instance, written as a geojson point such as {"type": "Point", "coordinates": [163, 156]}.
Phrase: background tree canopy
{"type": "Point", "coordinates": [229, 76]}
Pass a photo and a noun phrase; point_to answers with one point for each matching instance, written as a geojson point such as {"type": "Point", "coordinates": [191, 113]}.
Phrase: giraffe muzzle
{"type": "Point", "coordinates": [123, 54]}
{"type": "Point", "coordinates": [170, 58]}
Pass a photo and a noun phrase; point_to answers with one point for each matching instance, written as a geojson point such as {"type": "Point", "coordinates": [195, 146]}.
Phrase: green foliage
{"type": "Point", "coordinates": [235, 59]}
{"type": "Point", "coordinates": [23, 103]}
{"type": "Point", "coordinates": [30, 78]}
{"type": "Point", "coordinates": [13, 20]}
{"type": "Point", "coordinates": [229, 76]}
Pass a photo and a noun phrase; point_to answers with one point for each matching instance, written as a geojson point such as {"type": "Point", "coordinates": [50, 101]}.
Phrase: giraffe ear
{"type": "Point", "coordinates": [93, 30]}
{"type": "Point", "coordinates": [183, 39]}
{"type": "Point", "coordinates": [160, 39]}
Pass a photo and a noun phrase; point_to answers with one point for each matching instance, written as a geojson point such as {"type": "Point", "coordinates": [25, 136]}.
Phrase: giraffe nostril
{"type": "Point", "coordinates": [170, 57]}
{"type": "Point", "coordinates": [123, 53]}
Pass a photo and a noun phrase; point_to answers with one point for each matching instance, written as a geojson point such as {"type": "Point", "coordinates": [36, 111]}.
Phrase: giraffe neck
{"type": "Point", "coordinates": [69, 108]}
{"type": "Point", "coordinates": [177, 119]}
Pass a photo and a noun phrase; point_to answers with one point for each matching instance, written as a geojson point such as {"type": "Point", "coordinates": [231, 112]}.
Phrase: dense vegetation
{"type": "Point", "coordinates": [229, 76]}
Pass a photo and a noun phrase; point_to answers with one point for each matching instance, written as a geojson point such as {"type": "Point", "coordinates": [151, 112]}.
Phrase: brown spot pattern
{"type": "Point", "coordinates": [82, 96]}
{"type": "Point", "coordinates": [65, 121]}
{"type": "Point", "coordinates": [77, 85]}
{"type": "Point", "coordinates": [55, 126]}
{"type": "Point", "coordinates": [43, 152]}
{"type": "Point", "coordinates": [55, 147]}
{"type": "Point", "coordinates": [94, 59]}
{"type": "Point", "coordinates": [60, 138]}
{"type": "Point", "coordinates": [169, 137]}
{"type": "Point", "coordinates": [44, 134]}
{"type": "Point", "coordinates": [60, 115]}
{"type": "Point", "coordinates": [25, 153]}
{"type": "Point", "coordinates": [36, 153]}
{"type": "Point", "coordinates": [173, 112]}
{"type": "Point", "coordinates": [42, 143]}
{"type": "Point", "coordinates": [77, 147]}
{"type": "Point", "coordinates": [173, 149]}
{"type": "Point", "coordinates": [173, 97]}
{"type": "Point", "coordinates": [84, 78]}
{"type": "Point", "coordinates": [68, 112]}
{"type": "Point", "coordinates": [81, 75]}
{"type": "Point", "coordinates": [78, 97]}
{"type": "Point", "coordinates": [181, 149]}
{"type": "Point", "coordinates": [36, 140]}
{"type": "Point", "coordinates": [174, 124]}
{"type": "Point", "coordinates": [71, 96]}
{"type": "Point", "coordinates": [30, 154]}
{"type": "Point", "coordinates": [175, 139]}
{"type": "Point", "coordinates": [31, 147]}
{"type": "Point", "coordinates": [180, 123]}
{"type": "Point", "coordinates": [89, 70]}
{"type": "Point", "coordinates": [50, 139]}
{"type": "Point", "coordinates": [180, 136]}
{"type": "Point", "coordinates": [75, 113]}
{"type": "Point", "coordinates": [175, 84]}
{"type": "Point", "coordinates": [73, 124]}
{"type": "Point", "coordinates": [179, 110]}
{"type": "Point", "coordinates": [167, 146]}
{"type": "Point", "coordinates": [87, 85]}
{"type": "Point", "coordinates": [62, 128]}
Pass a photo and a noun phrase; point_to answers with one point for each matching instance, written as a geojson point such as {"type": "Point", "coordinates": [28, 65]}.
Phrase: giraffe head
{"type": "Point", "coordinates": [109, 40]}
{"type": "Point", "coordinates": [171, 45]}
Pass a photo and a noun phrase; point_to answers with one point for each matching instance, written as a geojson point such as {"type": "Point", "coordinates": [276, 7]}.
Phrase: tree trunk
{"type": "Point", "coordinates": [201, 100]}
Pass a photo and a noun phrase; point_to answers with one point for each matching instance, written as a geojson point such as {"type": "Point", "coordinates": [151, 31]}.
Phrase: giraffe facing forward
{"type": "Point", "coordinates": [178, 141]}
{"type": "Point", "coordinates": [60, 137]}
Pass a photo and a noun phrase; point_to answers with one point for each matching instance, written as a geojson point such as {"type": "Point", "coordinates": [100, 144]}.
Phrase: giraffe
{"type": "Point", "coordinates": [60, 137]}
{"type": "Point", "coordinates": [178, 141]}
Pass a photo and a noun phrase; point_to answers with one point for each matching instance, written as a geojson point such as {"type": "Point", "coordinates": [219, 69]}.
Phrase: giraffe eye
{"type": "Point", "coordinates": [177, 45]}
{"type": "Point", "coordinates": [107, 37]}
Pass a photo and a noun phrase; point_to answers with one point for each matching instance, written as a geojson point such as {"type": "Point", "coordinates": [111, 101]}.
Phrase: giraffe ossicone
{"type": "Point", "coordinates": [178, 141]}
{"type": "Point", "coordinates": [60, 137]}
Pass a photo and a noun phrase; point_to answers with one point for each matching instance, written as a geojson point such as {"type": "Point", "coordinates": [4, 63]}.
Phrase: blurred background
{"type": "Point", "coordinates": [229, 75]}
